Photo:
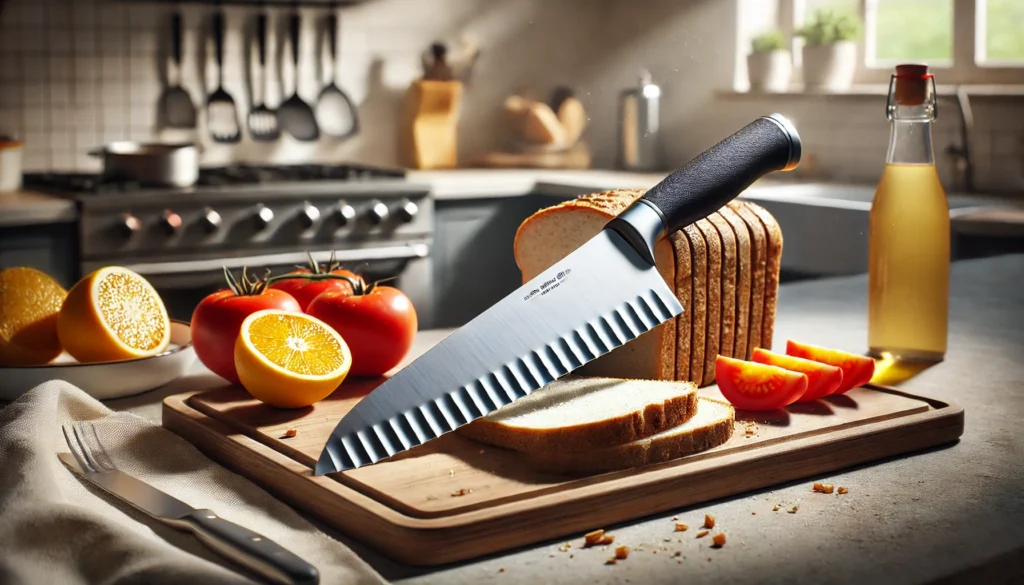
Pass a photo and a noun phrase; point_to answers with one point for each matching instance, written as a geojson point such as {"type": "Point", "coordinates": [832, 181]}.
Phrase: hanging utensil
{"type": "Point", "coordinates": [335, 111]}
{"type": "Point", "coordinates": [222, 116]}
{"type": "Point", "coordinates": [176, 106]}
{"type": "Point", "coordinates": [296, 116]}
{"type": "Point", "coordinates": [262, 120]}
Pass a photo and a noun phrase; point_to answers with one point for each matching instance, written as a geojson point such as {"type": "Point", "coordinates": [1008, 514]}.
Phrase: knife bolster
{"type": "Point", "coordinates": [642, 225]}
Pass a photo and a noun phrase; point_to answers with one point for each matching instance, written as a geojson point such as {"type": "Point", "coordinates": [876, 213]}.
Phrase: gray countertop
{"type": "Point", "coordinates": [951, 514]}
{"type": "Point", "coordinates": [21, 208]}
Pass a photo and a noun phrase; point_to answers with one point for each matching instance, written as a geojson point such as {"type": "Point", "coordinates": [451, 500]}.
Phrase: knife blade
{"type": "Point", "coordinates": [245, 547]}
{"type": "Point", "coordinates": [601, 296]}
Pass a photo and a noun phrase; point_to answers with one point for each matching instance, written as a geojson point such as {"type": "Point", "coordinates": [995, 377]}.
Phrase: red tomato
{"type": "Point", "coordinates": [822, 379]}
{"type": "Point", "coordinates": [305, 291]}
{"type": "Point", "coordinates": [379, 326]}
{"type": "Point", "coordinates": [753, 386]}
{"type": "Point", "coordinates": [218, 319]}
{"type": "Point", "coordinates": [857, 369]}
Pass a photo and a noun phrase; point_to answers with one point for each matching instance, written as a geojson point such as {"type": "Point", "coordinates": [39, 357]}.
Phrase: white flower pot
{"type": "Point", "coordinates": [769, 72]}
{"type": "Point", "coordinates": [830, 67]}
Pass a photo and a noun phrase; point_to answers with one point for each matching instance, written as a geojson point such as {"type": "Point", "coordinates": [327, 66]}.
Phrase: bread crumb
{"type": "Point", "coordinates": [608, 539]}
{"type": "Point", "coordinates": [451, 473]}
{"type": "Point", "coordinates": [843, 490]}
{"type": "Point", "coordinates": [654, 552]}
{"type": "Point", "coordinates": [678, 553]}
{"type": "Point", "coordinates": [823, 488]}
{"type": "Point", "coordinates": [290, 433]}
{"type": "Point", "coordinates": [719, 540]}
{"type": "Point", "coordinates": [681, 527]}
{"type": "Point", "coordinates": [753, 513]}
{"type": "Point", "coordinates": [610, 561]}
{"type": "Point", "coordinates": [709, 521]}
{"type": "Point", "coordinates": [592, 538]}
{"type": "Point", "coordinates": [793, 511]}
{"type": "Point", "coordinates": [621, 552]}
{"type": "Point", "coordinates": [775, 508]}
{"type": "Point", "coordinates": [571, 556]}
{"type": "Point", "coordinates": [674, 518]}
{"type": "Point", "coordinates": [501, 570]}
{"type": "Point", "coordinates": [679, 562]}
{"type": "Point", "coordinates": [461, 492]}
{"type": "Point", "coordinates": [565, 547]}
{"type": "Point", "coordinates": [702, 533]}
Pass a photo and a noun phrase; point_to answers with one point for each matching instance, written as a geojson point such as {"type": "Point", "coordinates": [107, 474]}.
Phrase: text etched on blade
{"type": "Point", "coordinates": [548, 285]}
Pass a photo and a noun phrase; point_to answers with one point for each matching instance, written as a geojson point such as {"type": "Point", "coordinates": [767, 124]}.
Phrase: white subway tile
{"type": "Point", "coordinates": [84, 41]}
{"type": "Point", "coordinates": [35, 159]}
{"type": "Point", "coordinates": [35, 69]}
{"type": "Point", "coordinates": [59, 69]}
{"type": "Point", "coordinates": [35, 119]}
{"type": "Point", "coordinates": [10, 40]}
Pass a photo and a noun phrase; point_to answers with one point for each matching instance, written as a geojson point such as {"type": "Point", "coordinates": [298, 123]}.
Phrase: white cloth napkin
{"type": "Point", "coordinates": [56, 530]}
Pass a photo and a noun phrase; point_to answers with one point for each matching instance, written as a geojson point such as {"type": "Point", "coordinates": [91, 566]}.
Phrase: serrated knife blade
{"type": "Point", "coordinates": [602, 295]}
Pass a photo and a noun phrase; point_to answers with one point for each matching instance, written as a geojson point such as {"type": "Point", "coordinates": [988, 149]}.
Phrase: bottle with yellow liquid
{"type": "Point", "coordinates": [908, 274]}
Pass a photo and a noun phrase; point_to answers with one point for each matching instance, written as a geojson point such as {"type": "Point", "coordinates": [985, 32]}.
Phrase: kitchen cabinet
{"type": "Point", "coordinates": [474, 264]}
{"type": "Point", "coordinates": [51, 248]}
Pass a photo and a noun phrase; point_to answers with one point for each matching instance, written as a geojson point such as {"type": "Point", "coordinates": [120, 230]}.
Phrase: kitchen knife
{"type": "Point", "coordinates": [599, 297]}
{"type": "Point", "coordinates": [241, 545]}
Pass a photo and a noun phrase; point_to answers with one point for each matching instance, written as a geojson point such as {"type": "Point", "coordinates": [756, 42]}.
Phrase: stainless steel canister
{"type": "Point", "coordinates": [639, 148]}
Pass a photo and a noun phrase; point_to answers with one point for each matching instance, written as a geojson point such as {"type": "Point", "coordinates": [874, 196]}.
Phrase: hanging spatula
{"type": "Point", "coordinates": [295, 116]}
{"type": "Point", "coordinates": [335, 111]}
{"type": "Point", "coordinates": [221, 114]}
{"type": "Point", "coordinates": [262, 120]}
{"type": "Point", "coordinates": [176, 106]}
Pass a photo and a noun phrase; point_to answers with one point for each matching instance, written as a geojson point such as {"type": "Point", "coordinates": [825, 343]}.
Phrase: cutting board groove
{"type": "Point", "coordinates": [407, 506]}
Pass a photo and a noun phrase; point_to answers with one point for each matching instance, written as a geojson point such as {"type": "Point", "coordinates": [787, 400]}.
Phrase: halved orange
{"type": "Point", "coordinates": [29, 303]}
{"type": "Point", "coordinates": [290, 360]}
{"type": "Point", "coordinates": [113, 314]}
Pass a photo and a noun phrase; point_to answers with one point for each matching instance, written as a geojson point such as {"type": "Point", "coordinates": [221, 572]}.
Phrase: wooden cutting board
{"type": "Point", "coordinates": [453, 499]}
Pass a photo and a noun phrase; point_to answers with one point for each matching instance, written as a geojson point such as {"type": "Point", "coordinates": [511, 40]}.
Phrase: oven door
{"type": "Point", "coordinates": [183, 283]}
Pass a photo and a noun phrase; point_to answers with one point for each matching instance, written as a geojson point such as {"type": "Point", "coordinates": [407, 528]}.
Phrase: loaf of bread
{"type": "Point", "coordinates": [724, 270]}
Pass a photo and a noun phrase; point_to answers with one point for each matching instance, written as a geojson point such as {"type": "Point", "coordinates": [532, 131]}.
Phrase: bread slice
{"type": "Point", "coordinates": [727, 335]}
{"type": "Point", "coordinates": [773, 268]}
{"type": "Point", "coordinates": [742, 322]}
{"type": "Point", "coordinates": [552, 233]}
{"type": "Point", "coordinates": [698, 303]}
{"type": "Point", "coordinates": [683, 287]}
{"type": "Point", "coordinates": [758, 259]}
{"type": "Point", "coordinates": [710, 427]}
{"type": "Point", "coordinates": [713, 319]}
{"type": "Point", "coordinates": [576, 413]}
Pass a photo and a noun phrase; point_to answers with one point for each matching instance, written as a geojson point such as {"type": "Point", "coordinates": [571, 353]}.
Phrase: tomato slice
{"type": "Point", "coordinates": [822, 379]}
{"type": "Point", "coordinates": [753, 386]}
{"type": "Point", "coordinates": [857, 369]}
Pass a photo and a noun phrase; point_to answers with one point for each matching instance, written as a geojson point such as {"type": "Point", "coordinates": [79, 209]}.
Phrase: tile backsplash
{"type": "Point", "coordinates": [75, 74]}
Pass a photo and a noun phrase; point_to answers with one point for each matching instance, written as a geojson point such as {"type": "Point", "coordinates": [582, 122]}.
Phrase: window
{"type": "Point", "coordinates": [963, 41]}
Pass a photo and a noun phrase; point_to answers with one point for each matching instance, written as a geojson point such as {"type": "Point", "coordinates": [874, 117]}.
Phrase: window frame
{"type": "Point", "coordinates": [968, 47]}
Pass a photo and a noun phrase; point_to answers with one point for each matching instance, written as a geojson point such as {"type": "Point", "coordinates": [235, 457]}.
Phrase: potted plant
{"type": "Point", "coordinates": [830, 51]}
{"type": "Point", "coordinates": [769, 65]}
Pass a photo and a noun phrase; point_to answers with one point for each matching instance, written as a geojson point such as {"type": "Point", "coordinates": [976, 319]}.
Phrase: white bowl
{"type": "Point", "coordinates": [105, 380]}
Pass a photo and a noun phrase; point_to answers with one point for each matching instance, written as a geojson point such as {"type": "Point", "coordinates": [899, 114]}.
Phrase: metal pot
{"type": "Point", "coordinates": [172, 165]}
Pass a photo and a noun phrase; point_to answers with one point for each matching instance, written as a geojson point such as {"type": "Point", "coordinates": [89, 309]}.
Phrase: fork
{"type": "Point", "coordinates": [241, 545]}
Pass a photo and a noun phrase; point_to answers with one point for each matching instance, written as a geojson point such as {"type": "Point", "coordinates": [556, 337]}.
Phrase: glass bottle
{"type": "Point", "coordinates": [909, 238]}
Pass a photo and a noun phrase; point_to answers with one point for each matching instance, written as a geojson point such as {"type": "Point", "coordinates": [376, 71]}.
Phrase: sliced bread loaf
{"type": "Point", "coordinates": [710, 427]}
{"type": "Point", "coordinates": [552, 233]}
{"type": "Point", "coordinates": [586, 413]}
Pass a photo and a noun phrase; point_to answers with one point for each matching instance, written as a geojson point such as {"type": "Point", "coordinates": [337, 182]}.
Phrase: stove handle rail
{"type": "Point", "coordinates": [405, 251]}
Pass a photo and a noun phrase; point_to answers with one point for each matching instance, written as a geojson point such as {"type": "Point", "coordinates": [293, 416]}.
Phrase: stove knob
{"type": "Point", "coordinates": [344, 212]}
{"type": "Point", "coordinates": [170, 222]}
{"type": "Point", "coordinates": [264, 215]}
{"type": "Point", "coordinates": [211, 219]}
{"type": "Point", "coordinates": [309, 215]}
{"type": "Point", "coordinates": [407, 210]}
{"type": "Point", "coordinates": [378, 213]}
{"type": "Point", "coordinates": [129, 225]}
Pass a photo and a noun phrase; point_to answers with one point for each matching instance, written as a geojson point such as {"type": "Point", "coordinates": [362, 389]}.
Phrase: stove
{"type": "Point", "coordinates": [255, 216]}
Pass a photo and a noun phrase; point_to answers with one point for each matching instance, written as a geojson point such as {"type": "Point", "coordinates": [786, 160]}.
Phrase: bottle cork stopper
{"type": "Point", "coordinates": [911, 88]}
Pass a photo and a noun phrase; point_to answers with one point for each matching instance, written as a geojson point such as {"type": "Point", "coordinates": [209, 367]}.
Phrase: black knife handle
{"type": "Point", "coordinates": [716, 176]}
{"type": "Point", "coordinates": [261, 37]}
{"type": "Point", "coordinates": [176, 38]}
{"type": "Point", "coordinates": [250, 549]}
{"type": "Point", "coordinates": [294, 24]}
{"type": "Point", "coordinates": [218, 37]}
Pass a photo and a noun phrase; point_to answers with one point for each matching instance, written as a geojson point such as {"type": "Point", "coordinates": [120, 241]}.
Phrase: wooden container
{"type": "Point", "coordinates": [429, 126]}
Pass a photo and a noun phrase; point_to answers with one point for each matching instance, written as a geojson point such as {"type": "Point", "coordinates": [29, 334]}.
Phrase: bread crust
{"type": "Point", "coordinates": [743, 281]}
{"type": "Point", "coordinates": [727, 335]}
{"type": "Point", "coordinates": [758, 250]}
{"type": "Point", "coordinates": [698, 300]}
{"type": "Point", "coordinates": [713, 321]}
{"type": "Point", "coordinates": [654, 418]}
{"type": "Point", "coordinates": [638, 453]}
{"type": "Point", "coordinates": [773, 268]}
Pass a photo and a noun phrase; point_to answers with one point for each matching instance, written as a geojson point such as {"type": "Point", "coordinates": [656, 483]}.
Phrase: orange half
{"type": "Point", "coordinates": [290, 360]}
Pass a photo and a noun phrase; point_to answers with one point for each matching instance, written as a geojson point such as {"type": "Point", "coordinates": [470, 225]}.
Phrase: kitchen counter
{"type": "Point", "coordinates": [951, 514]}
{"type": "Point", "coordinates": [21, 208]}
{"type": "Point", "coordinates": [486, 183]}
